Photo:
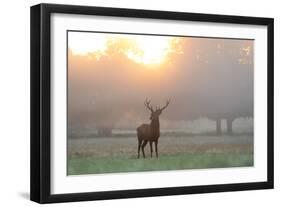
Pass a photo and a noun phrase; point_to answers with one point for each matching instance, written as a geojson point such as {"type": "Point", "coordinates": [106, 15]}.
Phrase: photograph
{"type": "Point", "coordinates": [158, 102]}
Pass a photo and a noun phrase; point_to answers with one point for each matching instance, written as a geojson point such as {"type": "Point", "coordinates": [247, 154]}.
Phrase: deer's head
{"type": "Point", "coordinates": [155, 113]}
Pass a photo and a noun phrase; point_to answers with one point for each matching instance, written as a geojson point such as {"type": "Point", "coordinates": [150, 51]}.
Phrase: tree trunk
{"type": "Point", "coordinates": [229, 122]}
{"type": "Point", "coordinates": [218, 128]}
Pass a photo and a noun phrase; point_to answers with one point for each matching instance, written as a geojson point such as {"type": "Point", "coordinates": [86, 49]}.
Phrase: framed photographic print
{"type": "Point", "coordinates": [133, 103]}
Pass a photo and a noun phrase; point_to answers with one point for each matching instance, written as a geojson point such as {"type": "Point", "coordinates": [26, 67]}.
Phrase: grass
{"type": "Point", "coordinates": [92, 165]}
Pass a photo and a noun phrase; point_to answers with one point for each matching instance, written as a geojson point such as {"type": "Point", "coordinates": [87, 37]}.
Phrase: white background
{"type": "Point", "coordinates": [14, 102]}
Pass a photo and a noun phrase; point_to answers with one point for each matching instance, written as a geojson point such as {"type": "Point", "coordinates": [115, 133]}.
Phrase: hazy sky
{"type": "Point", "coordinates": [110, 76]}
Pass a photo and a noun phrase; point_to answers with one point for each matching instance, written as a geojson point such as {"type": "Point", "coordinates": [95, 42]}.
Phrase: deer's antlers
{"type": "Point", "coordinates": [147, 104]}
{"type": "Point", "coordinates": [167, 103]}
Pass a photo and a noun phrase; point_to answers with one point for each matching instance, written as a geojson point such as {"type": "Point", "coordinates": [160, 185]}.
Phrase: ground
{"type": "Point", "coordinates": [119, 154]}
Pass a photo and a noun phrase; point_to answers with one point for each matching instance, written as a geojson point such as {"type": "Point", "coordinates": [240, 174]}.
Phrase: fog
{"type": "Point", "coordinates": [209, 79]}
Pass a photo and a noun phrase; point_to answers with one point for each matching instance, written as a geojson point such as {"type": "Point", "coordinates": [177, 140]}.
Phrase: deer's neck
{"type": "Point", "coordinates": [155, 125]}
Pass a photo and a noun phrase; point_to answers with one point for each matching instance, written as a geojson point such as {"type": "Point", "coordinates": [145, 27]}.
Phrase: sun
{"type": "Point", "coordinates": [142, 49]}
{"type": "Point", "coordinates": [154, 49]}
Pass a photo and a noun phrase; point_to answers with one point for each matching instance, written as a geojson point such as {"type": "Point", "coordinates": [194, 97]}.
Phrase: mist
{"type": "Point", "coordinates": [210, 81]}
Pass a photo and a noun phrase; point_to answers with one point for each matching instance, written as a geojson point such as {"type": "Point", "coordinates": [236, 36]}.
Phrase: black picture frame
{"type": "Point", "coordinates": [41, 102]}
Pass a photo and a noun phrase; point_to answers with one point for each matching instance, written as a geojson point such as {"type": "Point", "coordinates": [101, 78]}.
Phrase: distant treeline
{"type": "Point", "coordinates": [163, 134]}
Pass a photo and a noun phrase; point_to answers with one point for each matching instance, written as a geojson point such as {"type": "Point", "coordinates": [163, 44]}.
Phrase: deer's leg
{"type": "Point", "coordinates": [151, 148]}
{"type": "Point", "coordinates": [156, 148]}
{"type": "Point", "coordinates": [139, 146]}
{"type": "Point", "coordinates": [142, 147]}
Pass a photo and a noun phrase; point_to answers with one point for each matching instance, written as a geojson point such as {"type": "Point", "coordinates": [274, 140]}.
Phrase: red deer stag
{"type": "Point", "coordinates": [150, 132]}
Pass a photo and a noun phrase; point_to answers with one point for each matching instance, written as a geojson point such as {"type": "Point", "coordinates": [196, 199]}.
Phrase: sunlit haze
{"type": "Point", "coordinates": [142, 49]}
{"type": "Point", "coordinates": [110, 76]}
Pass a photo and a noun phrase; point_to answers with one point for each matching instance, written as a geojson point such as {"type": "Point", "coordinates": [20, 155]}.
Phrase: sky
{"type": "Point", "coordinates": [111, 75]}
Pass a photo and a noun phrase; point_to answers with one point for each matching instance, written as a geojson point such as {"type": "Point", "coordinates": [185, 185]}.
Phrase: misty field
{"type": "Point", "coordinates": [198, 92]}
{"type": "Point", "coordinates": [90, 155]}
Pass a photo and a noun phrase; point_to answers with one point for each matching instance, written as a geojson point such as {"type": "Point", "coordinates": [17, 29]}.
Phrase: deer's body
{"type": "Point", "coordinates": [150, 132]}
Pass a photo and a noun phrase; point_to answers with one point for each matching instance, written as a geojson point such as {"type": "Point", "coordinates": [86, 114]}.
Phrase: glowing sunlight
{"type": "Point", "coordinates": [142, 49]}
